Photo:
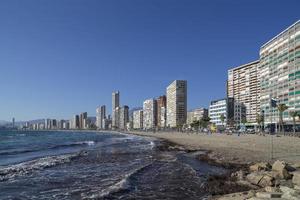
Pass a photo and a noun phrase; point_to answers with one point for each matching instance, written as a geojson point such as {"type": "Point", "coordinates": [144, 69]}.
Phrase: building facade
{"type": "Point", "coordinates": [100, 115]}
{"type": "Point", "coordinates": [123, 117]}
{"type": "Point", "coordinates": [196, 115]}
{"type": "Point", "coordinates": [220, 107]}
{"type": "Point", "coordinates": [243, 86]}
{"type": "Point", "coordinates": [138, 119]}
{"type": "Point", "coordinates": [149, 114]}
{"type": "Point", "coordinates": [115, 105]}
{"type": "Point", "coordinates": [83, 120]}
{"type": "Point", "coordinates": [176, 103]}
{"type": "Point", "coordinates": [161, 111]}
{"type": "Point", "coordinates": [280, 74]}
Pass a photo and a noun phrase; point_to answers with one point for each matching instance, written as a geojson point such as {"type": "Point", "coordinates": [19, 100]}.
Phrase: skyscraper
{"type": "Point", "coordinates": [123, 117]}
{"type": "Point", "coordinates": [101, 115]}
{"type": "Point", "coordinates": [83, 120]}
{"type": "Point", "coordinates": [13, 122]}
{"type": "Point", "coordinates": [115, 104]}
{"type": "Point", "coordinates": [243, 86]}
{"type": "Point", "coordinates": [138, 119]}
{"type": "Point", "coordinates": [149, 113]}
{"type": "Point", "coordinates": [176, 103]}
{"type": "Point", "coordinates": [161, 111]}
{"type": "Point", "coordinates": [280, 73]}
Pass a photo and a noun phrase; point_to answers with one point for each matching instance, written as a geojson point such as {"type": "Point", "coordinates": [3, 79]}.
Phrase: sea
{"type": "Point", "coordinates": [98, 165]}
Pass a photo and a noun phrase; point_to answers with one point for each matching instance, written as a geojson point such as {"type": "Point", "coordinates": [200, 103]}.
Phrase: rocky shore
{"type": "Point", "coordinates": [246, 180]}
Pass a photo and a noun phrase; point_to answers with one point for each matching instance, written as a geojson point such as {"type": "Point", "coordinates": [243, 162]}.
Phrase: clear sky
{"type": "Point", "coordinates": [62, 57]}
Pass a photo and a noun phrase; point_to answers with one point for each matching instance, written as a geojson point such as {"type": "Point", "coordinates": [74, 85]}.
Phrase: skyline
{"type": "Point", "coordinates": [58, 61]}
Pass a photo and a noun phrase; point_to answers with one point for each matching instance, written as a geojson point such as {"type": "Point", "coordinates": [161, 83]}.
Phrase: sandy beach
{"type": "Point", "coordinates": [244, 149]}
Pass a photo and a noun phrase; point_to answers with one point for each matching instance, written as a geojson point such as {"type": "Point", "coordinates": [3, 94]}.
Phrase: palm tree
{"type": "Point", "coordinates": [222, 118]}
{"type": "Point", "coordinates": [294, 114]}
{"type": "Point", "coordinates": [258, 120]}
{"type": "Point", "coordinates": [281, 108]}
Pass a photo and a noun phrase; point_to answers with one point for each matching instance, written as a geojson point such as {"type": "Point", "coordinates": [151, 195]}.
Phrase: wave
{"type": "Point", "coordinates": [27, 167]}
{"type": "Point", "coordinates": [123, 184]}
{"type": "Point", "coordinates": [6, 153]}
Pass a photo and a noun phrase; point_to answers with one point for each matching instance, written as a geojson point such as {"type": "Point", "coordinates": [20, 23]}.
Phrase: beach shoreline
{"type": "Point", "coordinates": [234, 184]}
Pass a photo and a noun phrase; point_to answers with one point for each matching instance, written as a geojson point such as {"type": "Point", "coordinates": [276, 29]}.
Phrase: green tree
{"type": "Point", "coordinates": [259, 120]}
{"type": "Point", "coordinates": [281, 108]}
{"type": "Point", "coordinates": [204, 122]}
{"type": "Point", "coordinates": [195, 124]}
{"type": "Point", "coordinates": [222, 118]}
{"type": "Point", "coordinates": [294, 114]}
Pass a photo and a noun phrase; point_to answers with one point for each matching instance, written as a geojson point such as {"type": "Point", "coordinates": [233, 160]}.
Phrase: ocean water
{"type": "Point", "coordinates": [89, 165]}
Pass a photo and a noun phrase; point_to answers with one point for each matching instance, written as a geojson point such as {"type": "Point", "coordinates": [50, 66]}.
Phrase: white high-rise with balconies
{"type": "Point", "coordinates": [176, 103]}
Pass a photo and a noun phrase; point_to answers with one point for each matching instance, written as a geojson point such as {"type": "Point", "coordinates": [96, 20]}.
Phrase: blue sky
{"type": "Point", "coordinates": [62, 57]}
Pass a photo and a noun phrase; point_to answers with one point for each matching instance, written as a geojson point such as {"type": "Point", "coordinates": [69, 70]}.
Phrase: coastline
{"type": "Point", "coordinates": [219, 186]}
{"type": "Point", "coordinates": [235, 184]}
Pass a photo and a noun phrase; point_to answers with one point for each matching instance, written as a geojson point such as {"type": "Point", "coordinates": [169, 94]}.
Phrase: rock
{"type": "Point", "coordinates": [238, 196]}
{"type": "Point", "coordinates": [261, 179]}
{"type": "Point", "coordinates": [289, 193]}
{"type": "Point", "coordinates": [296, 178]}
{"type": "Point", "coordinates": [262, 166]}
{"type": "Point", "coordinates": [297, 187]}
{"type": "Point", "coordinates": [281, 168]}
{"type": "Point", "coordinates": [271, 189]}
{"type": "Point", "coordinates": [268, 194]}
{"type": "Point", "coordinates": [239, 175]}
{"type": "Point", "coordinates": [296, 165]}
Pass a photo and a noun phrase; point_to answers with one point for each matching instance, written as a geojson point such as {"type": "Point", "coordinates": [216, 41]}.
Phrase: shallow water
{"type": "Point", "coordinates": [78, 165]}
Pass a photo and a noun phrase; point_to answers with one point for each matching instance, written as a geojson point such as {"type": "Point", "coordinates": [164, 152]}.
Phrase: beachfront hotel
{"type": "Point", "coordinates": [280, 73]}
{"type": "Point", "coordinates": [115, 104]}
{"type": "Point", "coordinates": [243, 86]}
{"type": "Point", "coordinates": [176, 103]}
{"type": "Point", "coordinates": [149, 114]}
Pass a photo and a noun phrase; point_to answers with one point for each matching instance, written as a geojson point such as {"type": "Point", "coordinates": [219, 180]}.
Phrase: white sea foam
{"type": "Point", "coordinates": [118, 186]}
{"type": "Point", "coordinates": [24, 168]}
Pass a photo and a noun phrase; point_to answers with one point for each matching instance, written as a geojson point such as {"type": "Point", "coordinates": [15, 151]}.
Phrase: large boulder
{"type": "Point", "coordinates": [281, 168]}
{"type": "Point", "coordinates": [262, 166]}
{"type": "Point", "coordinates": [296, 178]}
{"type": "Point", "coordinates": [289, 193]}
{"type": "Point", "coordinates": [261, 179]}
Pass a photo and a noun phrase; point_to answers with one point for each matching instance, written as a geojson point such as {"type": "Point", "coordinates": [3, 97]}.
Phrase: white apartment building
{"type": "Point", "coordinates": [176, 103]}
{"type": "Point", "coordinates": [138, 119]}
{"type": "Point", "coordinates": [149, 114]}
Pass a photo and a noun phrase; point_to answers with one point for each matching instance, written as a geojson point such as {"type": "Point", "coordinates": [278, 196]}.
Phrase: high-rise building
{"type": "Point", "coordinates": [149, 114]}
{"type": "Point", "coordinates": [47, 124]}
{"type": "Point", "coordinates": [280, 74]}
{"type": "Point", "coordinates": [161, 111]}
{"type": "Point", "coordinates": [115, 105]}
{"type": "Point", "coordinates": [101, 114]}
{"type": "Point", "coordinates": [82, 120]}
{"type": "Point", "coordinates": [176, 103]}
{"type": "Point", "coordinates": [220, 107]}
{"type": "Point", "coordinates": [243, 86]}
{"type": "Point", "coordinates": [233, 112]}
{"type": "Point", "coordinates": [138, 119]}
{"type": "Point", "coordinates": [13, 122]}
{"type": "Point", "coordinates": [196, 115]}
{"type": "Point", "coordinates": [53, 124]}
{"type": "Point", "coordinates": [123, 117]}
